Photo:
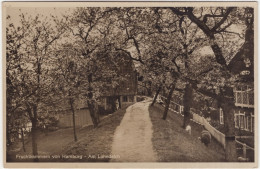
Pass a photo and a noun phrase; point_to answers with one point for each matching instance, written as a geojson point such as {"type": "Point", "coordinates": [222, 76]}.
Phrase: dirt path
{"type": "Point", "coordinates": [133, 138]}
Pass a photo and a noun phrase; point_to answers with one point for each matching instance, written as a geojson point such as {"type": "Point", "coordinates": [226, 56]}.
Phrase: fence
{"type": "Point", "coordinates": [245, 150]}
{"type": "Point", "coordinates": [220, 137]}
{"type": "Point", "coordinates": [82, 118]}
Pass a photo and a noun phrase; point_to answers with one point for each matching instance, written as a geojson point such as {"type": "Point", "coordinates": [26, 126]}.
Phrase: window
{"type": "Point", "coordinates": [239, 97]}
{"type": "Point", "coordinates": [249, 123]}
{"type": "Point", "coordinates": [124, 98]}
{"type": "Point", "coordinates": [244, 96]}
{"type": "Point", "coordinates": [221, 116]}
{"type": "Point", "coordinates": [251, 98]}
{"type": "Point", "coordinates": [236, 120]}
{"type": "Point", "coordinates": [242, 121]}
{"type": "Point", "coordinates": [246, 123]}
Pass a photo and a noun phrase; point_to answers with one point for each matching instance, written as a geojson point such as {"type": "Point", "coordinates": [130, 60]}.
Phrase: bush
{"type": "Point", "coordinates": [102, 111]}
{"type": "Point", "coordinates": [48, 123]}
{"type": "Point", "coordinates": [139, 98]}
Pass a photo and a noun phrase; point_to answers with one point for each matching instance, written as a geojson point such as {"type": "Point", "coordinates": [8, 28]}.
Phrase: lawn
{"type": "Point", "coordinates": [97, 142]}
{"type": "Point", "coordinates": [91, 141]}
{"type": "Point", "coordinates": [173, 144]}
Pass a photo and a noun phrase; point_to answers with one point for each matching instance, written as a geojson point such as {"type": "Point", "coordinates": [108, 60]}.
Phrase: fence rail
{"type": "Point", "coordinates": [220, 137]}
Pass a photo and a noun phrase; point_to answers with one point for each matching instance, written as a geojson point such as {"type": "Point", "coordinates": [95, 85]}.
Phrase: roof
{"type": "Point", "coordinates": [242, 63]}
{"type": "Point", "coordinates": [127, 77]}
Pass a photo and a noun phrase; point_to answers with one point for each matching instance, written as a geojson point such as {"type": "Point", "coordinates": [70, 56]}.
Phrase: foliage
{"type": "Point", "coordinates": [29, 71]}
{"type": "Point", "coordinates": [77, 57]}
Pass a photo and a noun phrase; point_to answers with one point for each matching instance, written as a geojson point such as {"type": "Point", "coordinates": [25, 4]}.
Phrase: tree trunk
{"type": "Point", "coordinates": [113, 104]}
{"type": "Point", "coordinates": [230, 149]}
{"type": "Point", "coordinates": [187, 103]}
{"type": "Point", "coordinates": [168, 101]}
{"type": "Point", "coordinates": [230, 142]}
{"type": "Point", "coordinates": [227, 104]}
{"type": "Point", "coordinates": [119, 102]}
{"type": "Point", "coordinates": [148, 87]}
{"type": "Point", "coordinates": [8, 134]}
{"type": "Point", "coordinates": [96, 112]}
{"type": "Point", "coordinates": [73, 119]}
{"type": "Point", "coordinates": [22, 134]}
{"type": "Point", "coordinates": [93, 116]}
{"type": "Point", "coordinates": [34, 139]}
{"type": "Point", "coordinates": [8, 118]}
{"type": "Point", "coordinates": [91, 103]}
{"type": "Point", "coordinates": [156, 95]}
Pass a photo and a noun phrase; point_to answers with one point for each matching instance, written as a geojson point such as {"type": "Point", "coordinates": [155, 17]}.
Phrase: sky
{"type": "Point", "coordinates": [14, 12]}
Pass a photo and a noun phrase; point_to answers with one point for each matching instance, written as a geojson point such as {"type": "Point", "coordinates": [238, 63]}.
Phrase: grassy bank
{"type": "Point", "coordinates": [60, 143]}
{"type": "Point", "coordinates": [97, 142]}
{"type": "Point", "coordinates": [173, 144]}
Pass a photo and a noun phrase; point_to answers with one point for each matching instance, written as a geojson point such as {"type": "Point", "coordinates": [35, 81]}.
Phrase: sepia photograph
{"type": "Point", "coordinates": [137, 83]}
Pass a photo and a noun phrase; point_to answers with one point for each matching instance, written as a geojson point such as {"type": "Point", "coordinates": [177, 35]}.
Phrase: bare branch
{"type": "Point", "coordinates": [129, 54]}
{"type": "Point", "coordinates": [229, 10]}
{"type": "Point", "coordinates": [177, 11]}
{"type": "Point", "coordinates": [225, 27]}
{"type": "Point", "coordinates": [239, 35]}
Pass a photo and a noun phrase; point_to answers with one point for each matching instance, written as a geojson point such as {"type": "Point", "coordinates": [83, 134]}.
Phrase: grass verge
{"type": "Point", "coordinates": [173, 144]}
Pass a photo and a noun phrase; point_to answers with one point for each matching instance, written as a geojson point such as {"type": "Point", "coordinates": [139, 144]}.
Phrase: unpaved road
{"type": "Point", "coordinates": [132, 139]}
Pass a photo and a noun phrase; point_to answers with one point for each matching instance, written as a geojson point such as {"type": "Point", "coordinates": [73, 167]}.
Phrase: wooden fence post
{"type": "Point", "coordinates": [244, 150]}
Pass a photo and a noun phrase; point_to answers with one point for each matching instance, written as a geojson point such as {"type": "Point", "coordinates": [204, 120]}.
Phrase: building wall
{"type": "Point", "coordinates": [244, 110]}
{"type": "Point", "coordinates": [124, 100]}
{"type": "Point", "coordinates": [244, 118]}
{"type": "Point", "coordinates": [126, 90]}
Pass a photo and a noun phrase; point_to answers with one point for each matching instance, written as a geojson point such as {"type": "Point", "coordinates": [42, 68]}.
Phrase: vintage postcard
{"type": "Point", "coordinates": [130, 84]}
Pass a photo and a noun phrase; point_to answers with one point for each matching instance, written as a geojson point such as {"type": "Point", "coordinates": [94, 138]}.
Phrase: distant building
{"type": "Point", "coordinates": [242, 65]}
{"type": "Point", "coordinates": [126, 89]}
{"type": "Point", "coordinates": [113, 97]}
